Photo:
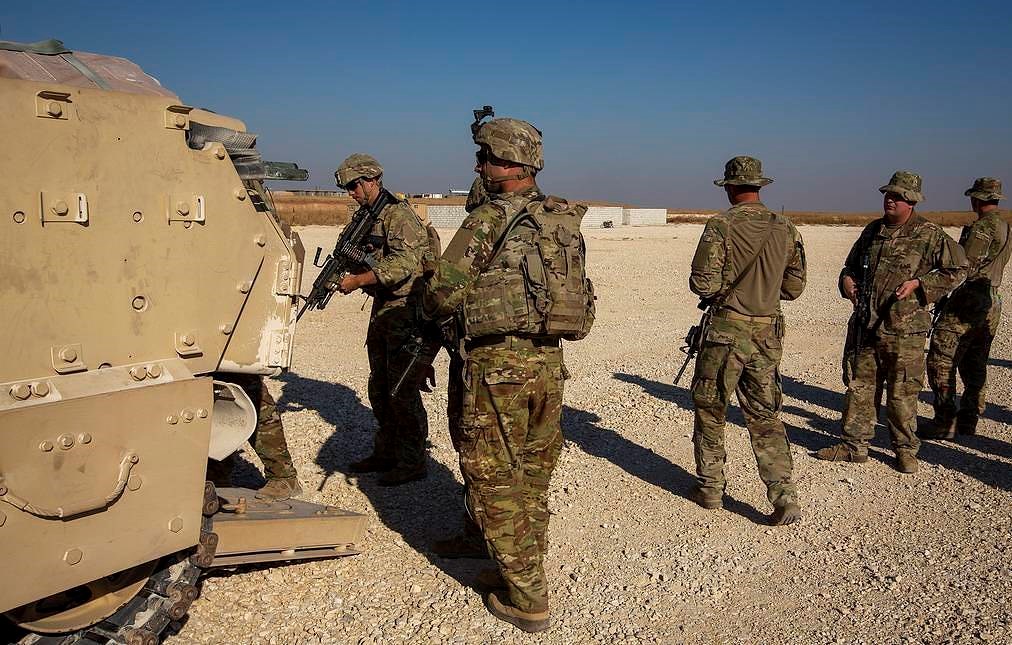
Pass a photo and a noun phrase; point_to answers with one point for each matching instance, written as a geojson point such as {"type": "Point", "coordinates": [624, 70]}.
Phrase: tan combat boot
{"type": "Point", "coordinates": [906, 463]}
{"type": "Point", "coordinates": [788, 513]}
{"type": "Point", "coordinates": [277, 490]}
{"type": "Point", "coordinates": [841, 452]}
{"type": "Point", "coordinates": [527, 621]}
{"type": "Point", "coordinates": [707, 499]}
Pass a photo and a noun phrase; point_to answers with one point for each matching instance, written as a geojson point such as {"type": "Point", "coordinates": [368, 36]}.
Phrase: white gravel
{"type": "Point", "coordinates": [878, 558]}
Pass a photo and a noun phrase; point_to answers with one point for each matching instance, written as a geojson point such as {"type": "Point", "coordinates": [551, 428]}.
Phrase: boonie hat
{"type": "Point", "coordinates": [743, 171]}
{"type": "Point", "coordinates": [986, 189]}
{"type": "Point", "coordinates": [906, 184]}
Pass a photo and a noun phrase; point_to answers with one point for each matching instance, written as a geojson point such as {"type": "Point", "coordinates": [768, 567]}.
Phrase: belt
{"type": "Point", "coordinates": [734, 315]}
{"type": "Point", "coordinates": [510, 342]}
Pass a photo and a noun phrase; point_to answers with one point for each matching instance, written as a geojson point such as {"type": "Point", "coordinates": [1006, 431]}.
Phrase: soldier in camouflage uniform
{"type": "Point", "coordinates": [268, 442]}
{"type": "Point", "coordinates": [968, 318]}
{"type": "Point", "coordinates": [510, 431]}
{"type": "Point", "coordinates": [742, 349]}
{"type": "Point", "coordinates": [911, 263]}
{"type": "Point", "coordinates": [398, 242]}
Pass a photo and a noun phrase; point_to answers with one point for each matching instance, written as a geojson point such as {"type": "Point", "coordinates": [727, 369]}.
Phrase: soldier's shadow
{"type": "Point", "coordinates": [584, 428]}
{"type": "Point", "coordinates": [419, 511]}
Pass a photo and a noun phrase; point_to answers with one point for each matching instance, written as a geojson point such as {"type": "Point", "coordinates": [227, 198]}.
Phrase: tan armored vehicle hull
{"type": "Point", "coordinates": [139, 255]}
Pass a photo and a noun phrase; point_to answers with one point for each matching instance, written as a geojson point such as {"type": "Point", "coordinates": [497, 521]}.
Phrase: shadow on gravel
{"type": "Point", "coordinates": [824, 432]}
{"type": "Point", "coordinates": [583, 428]}
{"type": "Point", "coordinates": [1000, 362]}
{"type": "Point", "coordinates": [420, 511]}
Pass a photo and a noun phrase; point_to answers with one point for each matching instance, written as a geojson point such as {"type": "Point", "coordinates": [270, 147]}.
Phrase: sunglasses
{"type": "Point", "coordinates": [351, 185]}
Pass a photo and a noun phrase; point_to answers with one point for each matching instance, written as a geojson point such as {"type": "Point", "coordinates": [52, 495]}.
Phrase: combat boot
{"type": "Point", "coordinates": [461, 546]}
{"type": "Point", "coordinates": [402, 475]}
{"type": "Point", "coordinates": [372, 464]}
{"type": "Point", "coordinates": [906, 462]}
{"type": "Point", "coordinates": [280, 489]}
{"type": "Point", "coordinates": [528, 621]}
{"type": "Point", "coordinates": [940, 428]}
{"type": "Point", "coordinates": [788, 513]}
{"type": "Point", "coordinates": [841, 452]}
{"type": "Point", "coordinates": [488, 580]}
{"type": "Point", "coordinates": [966, 425]}
{"type": "Point", "coordinates": [707, 499]}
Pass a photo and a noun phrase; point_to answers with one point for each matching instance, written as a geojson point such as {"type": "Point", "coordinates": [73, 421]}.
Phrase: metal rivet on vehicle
{"type": "Point", "coordinates": [40, 388]}
{"type": "Point", "coordinates": [260, 240]}
{"type": "Point", "coordinates": [240, 194]}
{"type": "Point", "coordinates": [179, 121]}
{"type": "Point", "coordinates": [219, 152]}
{"type": "Point", "coordinates": [176, 525]}
{"type": "Point", "coordinates": [183, 208]}
{"type": "Point", "coordinates": [139, 303]}
{"type": "Point", "coordinates": [46, 446]}
{"type": "Point", "coordinates": [65, 441]}
{"type": "Point", "coordinates": [19, 217]}
{"type": "Point", "coordinates": [68, 354]}
{"type": "Point", "coordinates": [84, 437]}
{"type": "Point", "coordinates": [3, 490]}
{"type": "Point", "coordinates": [61, 208]}
{"type": "Point", "coordinates": [134, 482]}
{"type": "Point", "coordinates": [187, 415]}
{"type": "Point", "coordinates": [21, 391]}
{"type": "Point", "coordinates": [188, 340]}
{"type": "Point", "coordinates": [225, 328]}
{"type": "Point", "coordinates": [172, 419]}
{"type": "Point", "coordinates": [202, 413]}
{"type": "Point", "coordinates": [138, 373]}
{"type": "Point", "coordinates": [54, 109]}
{"type": "Point", "coordinates": [154, 371]}
{"type": "Point", "coordinates": [244, 287]}
{"type": "Point", "coordinates": [73, 556]}
{"type": "Point", "coordinates": [134, 459]}
{"type": "Point", "coordinates": [138, 216]}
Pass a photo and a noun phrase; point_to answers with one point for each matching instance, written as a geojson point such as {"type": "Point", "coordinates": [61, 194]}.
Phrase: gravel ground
{"type": "Point", "coordinates": [879, 557]}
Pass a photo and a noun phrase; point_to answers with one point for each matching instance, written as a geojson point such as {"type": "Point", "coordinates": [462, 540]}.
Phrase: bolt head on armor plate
{"type": "Point", "coordinates": [513, 140]}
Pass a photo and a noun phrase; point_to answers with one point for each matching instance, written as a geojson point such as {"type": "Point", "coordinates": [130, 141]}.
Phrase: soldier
{"type": "Point", "coordinates": [510, 431]}
{"type": "Point", "coordinates": [268, 442]}
{"type": "Point", "coordinates": [968, 318]}
{"type": "Point", "coordinates": [397, 243]}
{"type": "Point", "coordinates": [910, 264]}
{"type": "Point", "coordinates": [747, 261]}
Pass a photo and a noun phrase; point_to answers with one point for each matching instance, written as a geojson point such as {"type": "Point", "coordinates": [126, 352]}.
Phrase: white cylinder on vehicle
{"type": "Point", "coordinates": [233, 420]}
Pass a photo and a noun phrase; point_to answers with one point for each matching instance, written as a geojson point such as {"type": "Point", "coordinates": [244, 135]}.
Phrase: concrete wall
{"type": "Point", "coordinates": [596, 215]}
{"type": "Point", "coordinates": [644, 216]}
{"type": "Point", "coordinates": [446, 216]}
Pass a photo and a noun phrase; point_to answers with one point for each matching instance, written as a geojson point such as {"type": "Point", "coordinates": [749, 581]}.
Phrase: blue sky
{"type": "Point", "coordinates": [639, 102]}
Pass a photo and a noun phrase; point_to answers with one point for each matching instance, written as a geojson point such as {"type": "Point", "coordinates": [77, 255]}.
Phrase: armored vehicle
{"type": "Point", "coordinates": [141, 260]}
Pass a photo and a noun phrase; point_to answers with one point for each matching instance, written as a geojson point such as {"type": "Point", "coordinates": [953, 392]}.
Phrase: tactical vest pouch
{"type": "Point", "coordinates": [498, 304]}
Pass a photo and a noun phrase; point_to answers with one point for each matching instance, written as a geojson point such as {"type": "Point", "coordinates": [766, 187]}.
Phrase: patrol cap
{"type": "Point", "coordinates": [356, 166]}
{"type": "Point", "coordinates": [743, 171]}
{"type": "Point", "coordinates": [986, 189]}
{"type": "Point", "coordinates": [906, 184]}
{"type": "Point", "coordinates": [513, 140]}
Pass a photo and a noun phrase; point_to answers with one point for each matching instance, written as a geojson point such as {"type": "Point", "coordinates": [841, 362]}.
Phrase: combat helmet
{"type": "Point", "coordinates": [513, 140]}
{"type": "Point", "coordinates": [356, 166]}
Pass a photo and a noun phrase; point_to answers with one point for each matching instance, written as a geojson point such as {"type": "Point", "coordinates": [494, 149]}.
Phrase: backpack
{"type": "Point", "coordinates": [536, 283]}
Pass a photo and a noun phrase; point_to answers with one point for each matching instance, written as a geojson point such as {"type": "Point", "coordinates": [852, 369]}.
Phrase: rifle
{"type": "Point", "coordinates": [348, 254]}
{"type": "Point", "coordinates": [862, 309]}
{"type": "Point", "coordinates": [697, 334]}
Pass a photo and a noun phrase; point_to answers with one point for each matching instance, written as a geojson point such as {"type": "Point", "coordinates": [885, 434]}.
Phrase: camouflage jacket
{"type": "Point", "coordinates": [987, 247]}
{"type": "Point", "coordinates": [469, 252]}
{"type": "Point", "coordinates": [917, 249]}
{"type": "Point", "coordinates": [729, 241]}
{"type": "Point", "coordinates": [399, 242]}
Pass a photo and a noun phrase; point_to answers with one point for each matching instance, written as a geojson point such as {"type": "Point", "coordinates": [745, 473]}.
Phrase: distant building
{"type": "Point", "coordinates": [458, 192]}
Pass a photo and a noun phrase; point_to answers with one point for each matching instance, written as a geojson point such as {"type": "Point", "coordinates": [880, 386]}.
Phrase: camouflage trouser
{"type": "Point", "coordinates": [510, 439]}
{"type": "Point", "coordinates": [742, 357]}
{"type": "Point", "coordinates": [268, 440]}
{"type": "Point", "coordinates": [454, 407]}
{"type": "Point", "coordinates": [964, 346]}
{"type": "Point", "coordinates": [897, 361]}
{"type": "Point", "coordinates": [403, 424]}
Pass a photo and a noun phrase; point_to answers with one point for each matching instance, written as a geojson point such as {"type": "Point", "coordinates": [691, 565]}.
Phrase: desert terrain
{"type": "Point", "coordinates": [878, 557]}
